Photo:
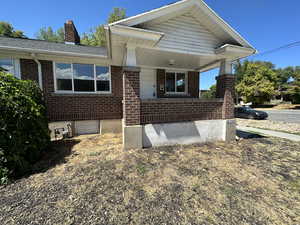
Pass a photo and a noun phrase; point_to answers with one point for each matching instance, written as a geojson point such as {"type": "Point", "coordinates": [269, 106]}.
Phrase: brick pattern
{"type": "Point", "coordinates": [228, 106]}
{"type": "Point", "coordinates": [71, 34]}
{"type": "Point", "coordinates": [225, 82]}
{"type": "Point", "coordinates": [225, 89]}
{"type": "Point", "coordinates": [160, 81]}
{"type": "Point", "coordinates": [179, 110]}
{"type": "Point", "coordinates": [193, 84]}
{"type": "Point", "coordinates": [131, 96]}
{"type": "Point", "coordinates": [29, 70]}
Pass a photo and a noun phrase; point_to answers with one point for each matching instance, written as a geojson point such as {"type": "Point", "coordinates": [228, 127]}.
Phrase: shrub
{"type": "Point", "coordinates": [24, 132]}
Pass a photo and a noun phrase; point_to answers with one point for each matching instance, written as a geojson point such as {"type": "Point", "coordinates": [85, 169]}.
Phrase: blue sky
{"type": "Point", "coordinates": [266, 24]}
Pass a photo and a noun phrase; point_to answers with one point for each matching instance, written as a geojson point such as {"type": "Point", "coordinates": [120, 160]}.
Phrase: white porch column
{"type": "Point", "coordinates": [225, 67]}
{"type": "Point", "coordinates": [130, 55]}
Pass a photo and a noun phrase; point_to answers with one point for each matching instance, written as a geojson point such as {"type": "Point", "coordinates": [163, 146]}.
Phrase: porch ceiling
{"type": "Point", "coordinates": [148, 57]}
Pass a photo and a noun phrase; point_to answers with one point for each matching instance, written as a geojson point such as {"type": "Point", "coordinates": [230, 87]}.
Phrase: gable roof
{"type": "Point", "coordinates": [200, 10]}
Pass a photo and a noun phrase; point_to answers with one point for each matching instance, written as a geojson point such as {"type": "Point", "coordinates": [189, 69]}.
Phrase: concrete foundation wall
{"type": "Point", "coordinates": [188, 132]}
{"type": "Point", "coordinates": [110, 126]}
{"type": "Point", "coordinates": [133, 137]}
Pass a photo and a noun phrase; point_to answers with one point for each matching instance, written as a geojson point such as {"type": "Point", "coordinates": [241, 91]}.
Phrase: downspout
{"type": "Point", "coordinates": [40, 73]}
{"type": "Point", "coordinates": [39, 70]}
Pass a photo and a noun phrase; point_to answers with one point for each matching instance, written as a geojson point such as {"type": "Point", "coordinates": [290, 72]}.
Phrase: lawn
{"type": "Point", "coordinates": [91, 180]}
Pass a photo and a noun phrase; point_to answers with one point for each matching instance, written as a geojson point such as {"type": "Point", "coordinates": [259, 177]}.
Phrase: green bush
{"type": "Point", "coordinates": [24, 132]}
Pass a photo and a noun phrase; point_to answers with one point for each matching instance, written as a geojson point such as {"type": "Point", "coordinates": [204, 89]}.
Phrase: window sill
{"type": "Point", "coordinates": [81, 94]}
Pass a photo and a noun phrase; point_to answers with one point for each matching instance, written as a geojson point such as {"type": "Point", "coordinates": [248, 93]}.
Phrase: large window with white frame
{"type": "Point", "coordinates": [82, 78]}
{"type": "Point", "coordinates": [10, 65]}
{"type": "Point", "coordinates": [176, 82]}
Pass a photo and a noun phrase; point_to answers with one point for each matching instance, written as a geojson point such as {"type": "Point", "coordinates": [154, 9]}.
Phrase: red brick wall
{"type": "Point", "coordinates": [29, 70]}
{"type": "Point", "coordinates": [225, 89]}
{"type": "Point", "coordinates": [131, 96]}
{"type": "Point", "coordinates": [178, 110]}
{"type": "Point", "coordinates": [71, 34]}
{"type": "Point", "coordinates": [225, 82]}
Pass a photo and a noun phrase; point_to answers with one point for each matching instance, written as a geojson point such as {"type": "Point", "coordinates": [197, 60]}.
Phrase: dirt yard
{"type": "Point", "coordinates": [90, 180]}
{"type": "Point", "coordinates": [293, 128]}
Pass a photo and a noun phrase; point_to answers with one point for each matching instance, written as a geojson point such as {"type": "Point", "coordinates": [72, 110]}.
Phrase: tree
{"type": "Point", "coordinates": [48, 34]}
{"type": "Point", "coordinates": [258, 82]}
{"type": "Point", "coordinates": [97, 36]}
{"type": "Point", "coordinates": [7, 30]}
{"type": "Point", "coordinates": [290, 83]}
{"type": "Point", "coordinates": [211, 93]}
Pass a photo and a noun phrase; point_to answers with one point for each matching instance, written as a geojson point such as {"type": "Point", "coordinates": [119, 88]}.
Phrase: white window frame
{"type": "Point", "coordinates": [186, 83]}
{"type": "Point", "coordinates": [16, 65]}
{"type": "Point", "coordinates": [81, 92]}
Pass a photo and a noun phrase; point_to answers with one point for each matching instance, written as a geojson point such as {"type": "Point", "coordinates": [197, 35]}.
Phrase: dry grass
{"type": "Point", "coordinates": [293, 128]}
{"type": "Point", "coordinates": [253, 181]}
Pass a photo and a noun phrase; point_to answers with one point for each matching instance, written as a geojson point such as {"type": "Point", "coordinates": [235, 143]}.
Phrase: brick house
{"type": "Point", "coordinates": [145, 83]}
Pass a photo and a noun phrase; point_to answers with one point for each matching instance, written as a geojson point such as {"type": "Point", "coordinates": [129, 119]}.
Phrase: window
{"type": "Point", "coordinates": [82, 78]}
{"type": "Point", "coordinates": [175, 82]}
{"type": "Point", "coordinates": [64, 76]}
{"type": "Point", "coordinates": [11, 66]}
{"type": "Point", "coordinates": [102, 78]}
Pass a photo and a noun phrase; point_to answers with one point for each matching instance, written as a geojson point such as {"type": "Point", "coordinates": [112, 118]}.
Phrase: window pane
{"type": "Point", "coordinates": [63, 77]}
{"type": "Point", "coordinates": [7, 65]}
{"type": "Point", "coordinates": [84, 85]}
{"type": "Point", "coordinates": [83, 71]}
{"type": "Point", "coordinates": [170, 82]}
{"type": "Point", "coordinates": [103, 78]}
{"type": "Point", "coordinates": [84, 77]}
{"type": "Point", "coordinates": [64, 84]}
{"type": "Point", "coordinates": [103, 85]}
{"type": "Point", "coordinates": [180, 82]}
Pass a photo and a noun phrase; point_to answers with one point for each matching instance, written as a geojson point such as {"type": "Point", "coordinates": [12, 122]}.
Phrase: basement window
{"type": "Point", "coordinates": [10, 65]}
{"type": "Point", "coordinates": [175, 83]}
{"type": "Point", "coordinates": [82, 78]}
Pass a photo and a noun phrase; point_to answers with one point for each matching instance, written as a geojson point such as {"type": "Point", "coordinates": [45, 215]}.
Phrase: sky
{"type": "Point", "coordinates": [266, 24]}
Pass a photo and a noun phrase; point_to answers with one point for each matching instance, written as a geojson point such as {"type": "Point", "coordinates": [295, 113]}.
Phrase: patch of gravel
{"type": "Point", "coordinates": [293, 128]}
{"type": "Point", "coordinates": [253, 181]}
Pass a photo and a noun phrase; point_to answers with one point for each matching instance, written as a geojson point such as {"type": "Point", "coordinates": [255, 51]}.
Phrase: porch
{"type": "Point", "coordinates": [165, 119]}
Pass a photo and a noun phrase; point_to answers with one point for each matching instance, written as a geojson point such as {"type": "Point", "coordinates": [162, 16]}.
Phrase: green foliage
{"type": "Point", "coordinates": [256, 81]}
{"type": "Point", "coordinates": [97, 36]}
{"type": "Point", "coordinates": [7, 30]}
{"type": "Point", "coordinates": [24, 132]}
{"type": "Point", "coordinates": [211, 93]}
{"type": "Point", "coordinates": [48, 34]}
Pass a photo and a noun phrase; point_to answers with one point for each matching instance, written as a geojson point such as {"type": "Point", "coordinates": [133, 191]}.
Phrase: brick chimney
{"type": "Point", "coordinates": [71, 34]}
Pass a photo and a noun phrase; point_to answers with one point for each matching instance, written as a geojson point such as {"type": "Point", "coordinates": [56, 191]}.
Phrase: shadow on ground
{"type": "Point", "coordinates": [55, 155]}
{"type": "Point", "coordinates": [248, 135]}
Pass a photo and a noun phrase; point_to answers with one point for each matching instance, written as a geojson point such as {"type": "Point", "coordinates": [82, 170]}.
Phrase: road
{"type": "Point", "coordinates": [289, 116]}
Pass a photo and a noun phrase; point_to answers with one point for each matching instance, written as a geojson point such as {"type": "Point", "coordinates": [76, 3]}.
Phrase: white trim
{"type": "Point", "coordinates": [136, 32]}
{"type": "Point", "coordinates": [234, 48]}
{"type": "Point", "coordinates": [39, 73]}
{"type": "Point", "coordinates": [30, 50]}
{"type": "Point", "coordinates": [185, 85]}
{"type": "Point", "coordinates": [143, 17]}
{"type": "Point", "coordinates": [81, 92]}
{"type": "Point", "coordinates": [16, 66]}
